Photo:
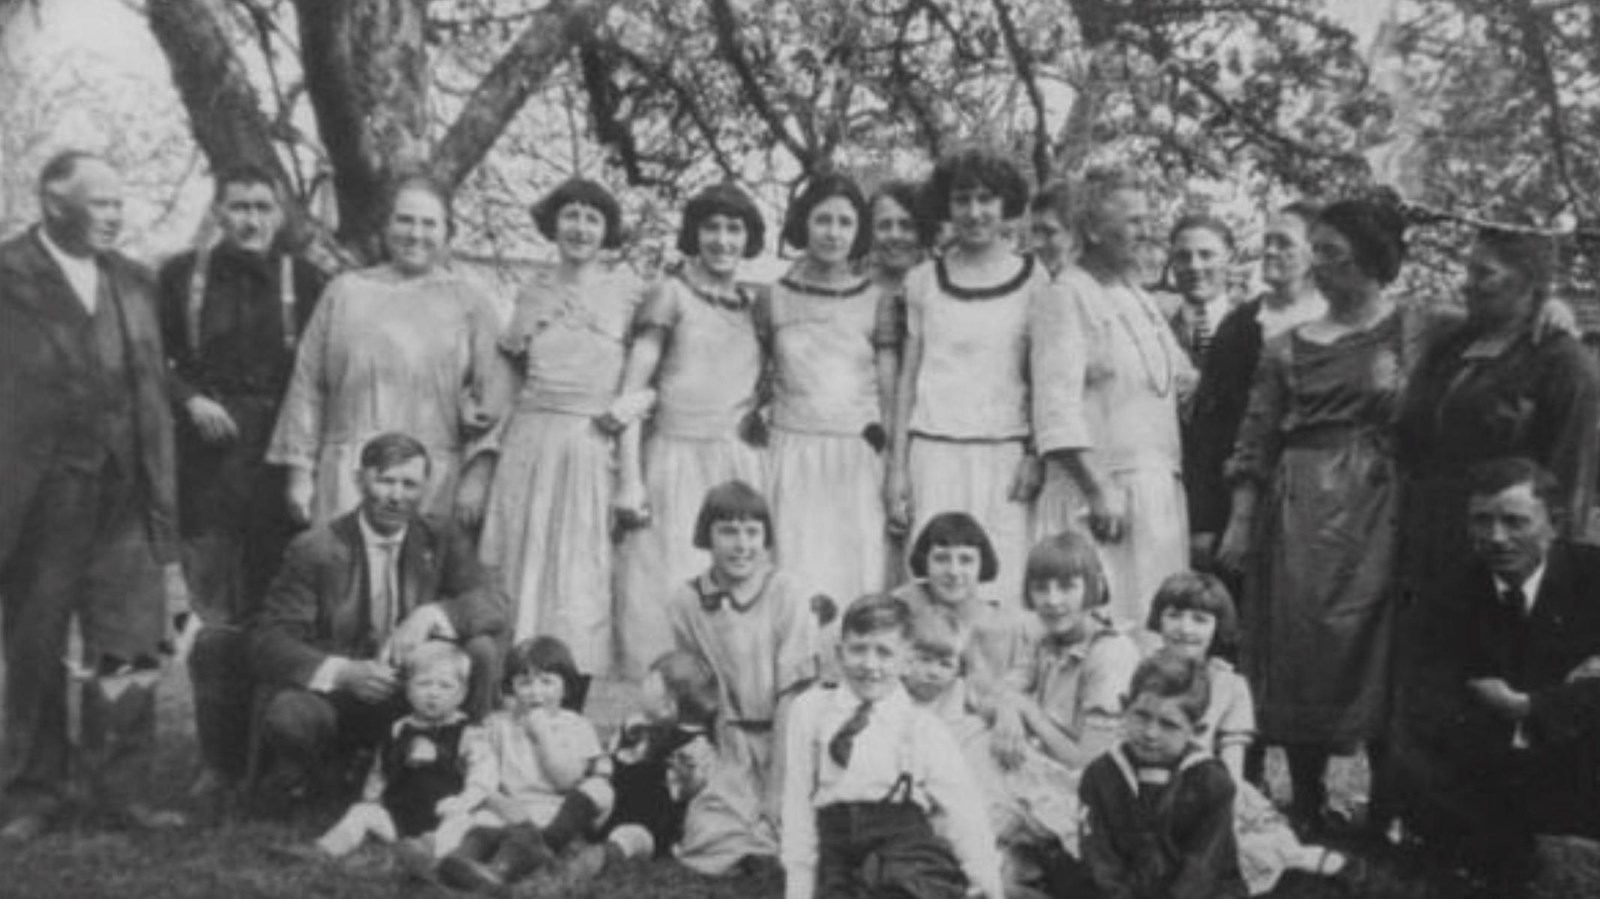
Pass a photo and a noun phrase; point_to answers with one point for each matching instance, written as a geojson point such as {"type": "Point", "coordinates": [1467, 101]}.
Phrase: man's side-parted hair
{"type": "Point", "coordinates": [62, 166]}
{"type": "Point", "coordinates": [1498, 475]}
{"type": "Point", "coordinates": [877, 612]}
{"type": "Point", "coordinates": [392, 448]}
{"type": "Point", "coordinates": [1171, 675]}
{"type": "Point", "coordinates": [243, 174]}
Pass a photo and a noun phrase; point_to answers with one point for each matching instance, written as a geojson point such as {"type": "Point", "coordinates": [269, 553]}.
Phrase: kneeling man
{"type": "Point", "coordinates": [353, 598]}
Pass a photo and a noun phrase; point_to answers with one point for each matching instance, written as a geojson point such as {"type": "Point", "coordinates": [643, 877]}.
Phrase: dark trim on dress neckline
{"type": "Point", "coordinates": [817, 290]}
{"type": "Point", "coordinates": [1011, 285]}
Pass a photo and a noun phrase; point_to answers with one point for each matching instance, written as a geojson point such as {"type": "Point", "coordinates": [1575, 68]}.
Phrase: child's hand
{"type": "Point", "coordinates": [508, 810]}
{"type": "Point", "coordinates": [1008, 739]}
{"type": "Point", "coordinates": [451, 806]}
{"type": "Point", "coordinates": [689, 767]}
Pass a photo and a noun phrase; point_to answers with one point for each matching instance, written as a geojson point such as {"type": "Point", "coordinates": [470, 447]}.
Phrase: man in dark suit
{"type": "Point", "coordinates": [87, 510]}
{"type": "Point", "coordinates": [231, 316]}
{"type": "Point", "coordinates": [353, 597]}
{"type": "Point", "coordinates": [1516, 738]}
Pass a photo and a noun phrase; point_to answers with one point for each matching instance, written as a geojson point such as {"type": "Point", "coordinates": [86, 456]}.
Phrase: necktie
{"type": "Point", "coordinates": [384, 599]}
{"type": "Point", "coordinates": [1199, 331]}
{"type": "Point", "coordinates": [843, 742]}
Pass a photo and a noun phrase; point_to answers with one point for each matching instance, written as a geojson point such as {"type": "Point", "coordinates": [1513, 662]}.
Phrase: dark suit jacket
{"type": "Point", "coordinates": [318, 605]}
{"type": "Point", "coordinates": [1535, 658]}
{"type": "Point", "coordinates": [48, 382]}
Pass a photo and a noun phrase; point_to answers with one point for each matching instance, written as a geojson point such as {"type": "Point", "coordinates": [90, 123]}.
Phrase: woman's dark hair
{"type": "Point", "coordinates": [692, 685]}
{"type": "Point", "coordinates": [721, 199]}
{"type": "Point", "coordinates": [951, 529]}
{"type": "Point", "coordinates": [1201, 592]}
{"type": "Point", "coordinates": [243, 174]}
{"type": "Point", "coordinates": [584, 192]}
{"type": "Point", "coordinates": [910, 196]}
{"type": "Point", "coordinates": [422, 183]}
{"type": "Point", "coordinates": [1304, 210]}
{"type": "Point", "coordinates": [548, 655]}
{"type": "Point", "coordinates": [1171, 675]}
{"type": "Point", "coordinates": [1531, 255]}
{"type": "Point", "coordinates": [731, 501]}
{"type": "Point", "coordinates": [1064, 558]}
{"type": "Point", "coordinates": [877, 612]}
{"type": "Point", "coordinates": [1375, 229]}
{"type": "Point", "coordinates": [977, 167]}
{"type": "Point", "coordinates": [1202, 222]}
{"type": "Point", "coordinates": [796, 224]}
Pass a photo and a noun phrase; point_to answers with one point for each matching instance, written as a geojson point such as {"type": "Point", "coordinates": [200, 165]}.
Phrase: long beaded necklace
{"type": "Point", "coordinates": [1161, 384]}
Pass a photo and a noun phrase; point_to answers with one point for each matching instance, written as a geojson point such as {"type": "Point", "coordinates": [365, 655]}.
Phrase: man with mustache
{"type": "Point", "coordinates": [87, 507]}
{"type": "Point", "coordinates": [230, 318]}
{"type": "Point", "coordinates": [353, 598]}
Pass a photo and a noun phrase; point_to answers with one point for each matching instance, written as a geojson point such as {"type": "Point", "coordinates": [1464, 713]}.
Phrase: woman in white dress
{"type": "Point", "coordinates": [697, 358]}
{"type": "Point", "coordinates": [832, 385]}
{"type": "Point", "coordinates": [1107, 373]}
{"type": "Point", "coordinates": [402, 346]}
{"type": "Point", "coordinates": [962, 436]}
{"type": "Point", "coordinates": [544, 482]}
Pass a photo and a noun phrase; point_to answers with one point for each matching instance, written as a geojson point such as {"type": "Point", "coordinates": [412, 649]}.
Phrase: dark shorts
{"type": "Point", "coordinates": [883, 850]}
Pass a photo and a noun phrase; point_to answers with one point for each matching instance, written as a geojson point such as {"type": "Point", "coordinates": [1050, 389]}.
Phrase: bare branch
{"type": "Point", "coordinates": [727, 25]}
{"type": "Point", "coordinates": [1022, 60]}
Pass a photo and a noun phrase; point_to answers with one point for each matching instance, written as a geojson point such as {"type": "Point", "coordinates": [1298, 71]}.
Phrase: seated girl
{"type": "Point", "coordinates": [952, 558]}
{"type": "Point", "coordinates": [1071, 702]}
{"type": "Point", "coordinates": [433, 765]}
{"type": "Point", "coordinates": [554, 784]}
{"type": "Point", "coordinates": [1195, 618]}
{"type": "Point", "coordinates": [756, 631]}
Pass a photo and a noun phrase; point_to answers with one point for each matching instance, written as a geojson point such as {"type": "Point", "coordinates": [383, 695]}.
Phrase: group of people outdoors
{"type": "Point", "coordinates": [953, 562]}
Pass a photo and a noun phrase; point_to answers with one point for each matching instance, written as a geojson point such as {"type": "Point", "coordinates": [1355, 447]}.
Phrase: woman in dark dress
{"type": "Point", "coordinates": [1317, 496]}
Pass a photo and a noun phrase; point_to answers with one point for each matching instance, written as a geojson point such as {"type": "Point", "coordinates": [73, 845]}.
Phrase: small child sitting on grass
{"type": "Point", "coordinates": [553, 777]}
{"type": "Point", "coordinates": [433, 766]}
{"type": "Point", "coordinates": [1158, 806]}
{"type": "Point", "coordinates": [867, 769]}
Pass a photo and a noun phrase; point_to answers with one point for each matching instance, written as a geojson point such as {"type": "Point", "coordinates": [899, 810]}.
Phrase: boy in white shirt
{"type": "Point", "coordinates": [866, 770]}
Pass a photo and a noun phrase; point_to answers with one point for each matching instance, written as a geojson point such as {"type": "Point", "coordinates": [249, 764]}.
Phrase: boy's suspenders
{"type": "Point", "coordinates": [197, 299]}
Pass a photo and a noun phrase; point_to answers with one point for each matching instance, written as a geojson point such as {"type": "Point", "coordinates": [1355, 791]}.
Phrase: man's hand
{"type": "Point", "coordinates": [426, 622]}
{"type": "Point", "coordinates": [369, 681]}
{"type": "Point", "coordinates": [301, 490]}
{"type": "Point", "coordinates": [211, 420]}
{"type": "Point", "coordinates": [1587, 669]}
{"type": "Point", "coordinates": [1498, 696]}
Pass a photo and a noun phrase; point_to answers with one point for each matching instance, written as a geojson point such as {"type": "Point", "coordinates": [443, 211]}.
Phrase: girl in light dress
{"type": "Point", "coordinates": [833, 369]}
{"type": "Point", "coordinates": [544, 481]}
{"type": "Point", "coordinates": [953, 560]}
{"type": "Point", "coordinates": [403, 346]}
{"type": "Point", "coordinates": [1195, 617]}
{"type": "Point", "coordinates": [694, 365]}
{"type": "Point", "coordinates": [962, 432]}
{"type": "Point", "coordinates": [1107, 377]}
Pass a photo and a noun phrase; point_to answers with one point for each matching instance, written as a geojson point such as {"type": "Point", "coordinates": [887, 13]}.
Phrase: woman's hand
{"type": "Point", "coordinates": [897, 503]}
{"type": "Point", "coordinates": [476, 422]}
{"type": "Point", "coordinates": [630, 506]}
{"type": "Point", "coordinates": [300, 494]}
{"type": "Point", "coordinates": [1027, 480]}
{"type": "Point", "coordinates": [1108, 514]}
{"type": "Point", "coordinates": [1553, 319]}
{"type": "Point", "coordinates": [472, 496]}
{"type": "Point", "coordinates": [1234, 548]}
{"type": "Point", "coordinates": [211, 420]}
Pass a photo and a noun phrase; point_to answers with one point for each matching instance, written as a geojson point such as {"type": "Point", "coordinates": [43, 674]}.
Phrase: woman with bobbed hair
{"type": "Point", "coordinates": [543, 482]}
{"type": "Point", "coordinates": [962, 435]}
{"type": "Point", "coordinates": [832, 384]}
{"type": "Point", "coordinates": [1107, 374]}
{"type": "Point", "coordinates": [405, 345]}
{"type": "Point", "coordinates": [898, 231]}
{"type": "Point", "coordinates": [1316, 497]}
{"type": "Point", "coordinates": [692, 370]}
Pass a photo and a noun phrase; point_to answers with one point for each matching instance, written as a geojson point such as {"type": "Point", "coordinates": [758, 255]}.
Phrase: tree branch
{"type": "Point", "coordinates": [1532, 31]}
{"type": "Point", "coordinates": [542, 46]}
{"type": "Point", "coordinates": [1022, 61]}
{"type": "Point", "coordinates": [727, 26]}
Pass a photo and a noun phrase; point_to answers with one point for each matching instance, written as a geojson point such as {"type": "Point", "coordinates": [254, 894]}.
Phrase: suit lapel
{"type": "Point", "coordinates": [355, 574]}
{"type": "Point", "coordinates": [1549, 607]}
{"type": "Point", "coordinates": [42, 289]}
{"type": "Point", "coordinates": [417, 567]}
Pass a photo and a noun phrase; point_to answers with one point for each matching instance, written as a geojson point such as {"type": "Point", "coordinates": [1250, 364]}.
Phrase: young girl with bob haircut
{"type": "Point", "coordinates": [756, 632]}
{"type": "Point", "coordinates": [543, 482]}
{"type": "Point", "coordinates": [952, 558]}
{"type": "Point", "coordinates": [1195, 617]}
{"type": "Point", "coordinates": [1071, 702]}
{"type": "Point", "coordinates": [832, 387]}
{"type": "Point", "coordinates": [695, 361]}
{"type": "Point", "coordinates": [962, 429]}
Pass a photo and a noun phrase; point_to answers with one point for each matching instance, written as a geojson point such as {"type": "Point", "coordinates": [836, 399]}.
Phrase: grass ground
{"type": "Point", "coordinates": [236, 860]}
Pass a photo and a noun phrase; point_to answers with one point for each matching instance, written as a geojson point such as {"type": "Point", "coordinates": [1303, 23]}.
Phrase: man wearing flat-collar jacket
{"type": "Point", "coordinates": [87, 508]}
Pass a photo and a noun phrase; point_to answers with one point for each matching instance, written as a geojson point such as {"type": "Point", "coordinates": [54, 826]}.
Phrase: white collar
{"type": "Point", "coordinates": [1530, 586]}
{"type": "Point", "coordinates": [374, 539]}
{"type": "Point", "coordinates": [845, 698]}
